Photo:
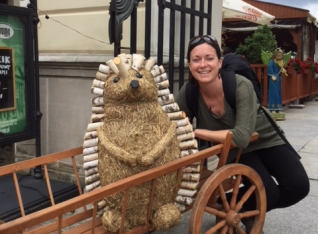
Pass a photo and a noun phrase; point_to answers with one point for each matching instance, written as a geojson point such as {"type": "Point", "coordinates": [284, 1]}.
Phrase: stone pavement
{"type": "Point", "coordinates": [301, 129]}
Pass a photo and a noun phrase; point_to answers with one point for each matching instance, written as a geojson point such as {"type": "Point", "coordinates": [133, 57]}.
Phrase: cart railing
{"type": "Point", "coordinates": [61, 217]}
{"type": "Point", "coordinates": [55, 213]}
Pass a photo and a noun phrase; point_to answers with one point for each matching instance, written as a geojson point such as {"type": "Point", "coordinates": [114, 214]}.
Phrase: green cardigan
{"type": "Point", "coordinates": [242, 124]}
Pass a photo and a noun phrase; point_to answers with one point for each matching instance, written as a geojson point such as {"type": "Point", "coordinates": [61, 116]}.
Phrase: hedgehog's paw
{"type": "Point", "coordinates": [111, 221]}
{"type": "Point", "coordinates": [146, 161]}
{"type": "Point", "coordinates": [166, 217]}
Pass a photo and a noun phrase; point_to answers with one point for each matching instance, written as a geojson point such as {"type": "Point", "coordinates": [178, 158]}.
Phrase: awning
{"type": "Point", "coordinates": [241, 10]}
{"type": "Point", "coordinates": [245, 26]}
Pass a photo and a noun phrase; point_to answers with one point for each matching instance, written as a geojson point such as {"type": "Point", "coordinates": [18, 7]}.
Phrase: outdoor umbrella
{"type": "Point", "coordinates": [242, 10]}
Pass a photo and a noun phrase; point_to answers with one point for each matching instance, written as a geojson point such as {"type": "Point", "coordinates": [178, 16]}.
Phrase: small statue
{"type": "Point", "coordinates": [275, 63]}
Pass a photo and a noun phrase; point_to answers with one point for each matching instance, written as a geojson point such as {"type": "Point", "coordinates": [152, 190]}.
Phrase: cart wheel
{"type": "Point", "coordinates": [230, 216]}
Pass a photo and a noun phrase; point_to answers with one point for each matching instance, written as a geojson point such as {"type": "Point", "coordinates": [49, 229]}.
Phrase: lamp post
{"type": "Point", "coordinates": [38, 175]}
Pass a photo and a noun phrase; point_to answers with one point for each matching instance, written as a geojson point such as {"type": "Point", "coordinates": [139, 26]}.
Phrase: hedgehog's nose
{"type": "Point", "coordinates": [134, 84]}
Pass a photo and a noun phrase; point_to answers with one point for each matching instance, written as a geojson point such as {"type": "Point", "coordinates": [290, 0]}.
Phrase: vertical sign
{"type": "Point", "coordinates": [12, 75]}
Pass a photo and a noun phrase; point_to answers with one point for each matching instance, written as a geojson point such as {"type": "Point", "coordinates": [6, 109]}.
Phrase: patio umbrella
{"type": "Point", "coordinates": [242, 10]}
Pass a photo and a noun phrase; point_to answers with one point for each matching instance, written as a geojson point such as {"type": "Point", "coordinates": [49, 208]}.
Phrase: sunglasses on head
{"type": "Point", "coordinates": [206, 38]}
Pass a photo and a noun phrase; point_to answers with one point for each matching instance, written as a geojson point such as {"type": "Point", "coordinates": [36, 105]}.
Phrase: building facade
{"type": "Point", "coordinates": [73, 40]}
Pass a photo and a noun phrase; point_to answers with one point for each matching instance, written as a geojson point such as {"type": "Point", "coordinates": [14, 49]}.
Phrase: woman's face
{"type": "Point", "coordinates": [204, 63]}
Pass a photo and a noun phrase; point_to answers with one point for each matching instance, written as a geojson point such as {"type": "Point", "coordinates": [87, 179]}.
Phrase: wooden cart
{"type": "Point", "coordinates": [79, 214]}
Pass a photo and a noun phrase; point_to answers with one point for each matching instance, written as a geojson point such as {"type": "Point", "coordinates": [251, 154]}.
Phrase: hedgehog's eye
{"type": "Point", "coordinates": [116, 79]}
{"type": "Point", "coordinates": [138, 75]}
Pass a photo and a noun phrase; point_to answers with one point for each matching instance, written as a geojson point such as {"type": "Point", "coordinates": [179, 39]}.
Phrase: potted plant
{"type": "Point", "coordinates": [295, 65]}
{"type": "Point", "coordinates": [311, 66]}
{"type": "Point", "coordinates": [261, 39]}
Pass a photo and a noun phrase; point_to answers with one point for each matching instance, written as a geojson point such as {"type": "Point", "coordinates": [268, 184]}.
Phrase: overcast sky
{"type": "Point", "coordinates": [311, 5]}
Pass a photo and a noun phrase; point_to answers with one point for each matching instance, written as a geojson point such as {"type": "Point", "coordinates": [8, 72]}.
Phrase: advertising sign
{"type": "Point", "coordinates": [16, 75]}
{"type": "Point", "coordinates": [7, 79]}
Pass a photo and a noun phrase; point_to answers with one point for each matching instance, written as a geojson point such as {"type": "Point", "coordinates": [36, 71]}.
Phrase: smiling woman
{"type": "Point", "coordinates": [268, 156]}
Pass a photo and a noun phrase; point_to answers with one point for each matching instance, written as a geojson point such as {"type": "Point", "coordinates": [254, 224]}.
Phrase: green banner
{"type": "Point", "coordinates": [12, 77]}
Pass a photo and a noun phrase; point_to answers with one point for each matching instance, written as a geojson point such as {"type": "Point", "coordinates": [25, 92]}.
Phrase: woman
{"type": "Point", "coordinates": [268, 156]}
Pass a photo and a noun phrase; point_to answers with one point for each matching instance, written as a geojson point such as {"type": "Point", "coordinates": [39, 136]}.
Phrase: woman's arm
{"type": "Point", "coordinates": [245, 116]}
{"type": "Point", "coordinates": [246, 112]}
{"type": "Point", "coordinates": [213, 136]}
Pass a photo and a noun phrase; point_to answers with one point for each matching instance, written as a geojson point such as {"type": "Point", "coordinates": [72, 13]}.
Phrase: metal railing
{"type": "Point", "coordinates": [183, 19]}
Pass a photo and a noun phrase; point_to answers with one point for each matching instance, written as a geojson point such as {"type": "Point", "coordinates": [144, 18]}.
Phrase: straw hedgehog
{"type": "Point", "coordinates": [136, 135]}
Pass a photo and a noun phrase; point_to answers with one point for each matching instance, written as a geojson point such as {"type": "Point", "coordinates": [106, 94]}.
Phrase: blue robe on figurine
{"type": "Point", "coordinates": [274, 98]}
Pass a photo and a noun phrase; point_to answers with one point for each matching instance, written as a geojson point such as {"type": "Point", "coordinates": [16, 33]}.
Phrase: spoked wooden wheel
{"type": "Point", "coordinates": [230, 215]}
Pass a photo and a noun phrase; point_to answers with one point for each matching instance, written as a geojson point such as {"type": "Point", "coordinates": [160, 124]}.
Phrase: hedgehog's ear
{"type": "Point", "coordinates": [127, 60]}
{"type": "Point", "coordinates": [122, 68]}
{"type": "Point", "coordinates": [137, 61]}
{"type": "Point", "coordinates": [112, 66]}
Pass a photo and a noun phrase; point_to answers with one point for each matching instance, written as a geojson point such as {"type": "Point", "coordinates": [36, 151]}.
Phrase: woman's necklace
{"type": "Point", "coordinates": [214, 105]}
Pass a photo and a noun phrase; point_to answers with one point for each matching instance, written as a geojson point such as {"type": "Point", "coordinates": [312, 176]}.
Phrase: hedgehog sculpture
{"type": "Point", "coordinates": [130, 133]}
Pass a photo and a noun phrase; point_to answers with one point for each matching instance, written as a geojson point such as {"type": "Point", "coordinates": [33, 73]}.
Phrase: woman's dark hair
{"type": "Point", "coordinates": [198, 40]}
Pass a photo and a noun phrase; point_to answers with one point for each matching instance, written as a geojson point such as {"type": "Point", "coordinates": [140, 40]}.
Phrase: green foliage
{"type": "Point", "coordinates": [261, 39]}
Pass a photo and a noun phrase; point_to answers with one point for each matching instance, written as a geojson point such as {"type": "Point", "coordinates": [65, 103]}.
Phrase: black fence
{"type": "Point", "coordinates": [170, 23]}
